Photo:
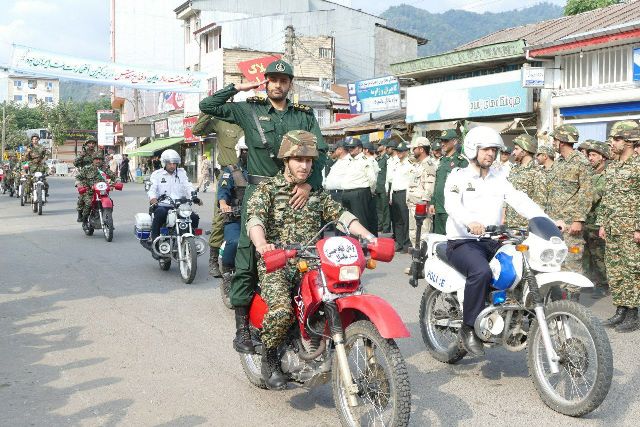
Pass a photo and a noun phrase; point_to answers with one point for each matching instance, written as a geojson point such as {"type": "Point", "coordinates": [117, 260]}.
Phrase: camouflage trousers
{"type": "Point", "coordinates": [426, 224]}
{"type": "Point", "coordinates": [84, 203]}
{"type": "Point", "coordinates": [573, 262]}
{"type": "Point", "coordinates": [622, 259]}
{"type": "Point", "coordinates": [593, 258]}
{"type": "Point", "coordinates": [217, 224]}
{"type": "Point", "coordinates": [276, 293]}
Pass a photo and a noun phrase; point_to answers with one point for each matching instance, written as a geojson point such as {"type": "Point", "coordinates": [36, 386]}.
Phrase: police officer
{"type": "Point", "coordinates": [400, 172]}
{"type": "Point", "coordinates": [569, 196]}
{"type": "Point", "coordinates": [264, 121]}
{"type": "Point", "coordinates": [450, 159]}
{"type": "Point", "coordinates": [382, 200]}
{"type": "Point", "coordinates": [504, 163]}
{"type": "Point", "coordinates": [231, 188]}
{"type": "Point", "coordinates": [619, 218]}
{"type": "Point", "coordinates": [526, 176]}
{"type": "Point", "coordinates": [593, 258]}
{"type": "Point", "coordinates": [422, 182]}
{"type": "Point", "coordinates": [338, 173]}
{"type": "Point", "coordinates": [474, 198]}
{"type": "Point", "coordinates": [227, 136]}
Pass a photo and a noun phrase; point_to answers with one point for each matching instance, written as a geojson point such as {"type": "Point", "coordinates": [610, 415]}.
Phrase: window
{"type": "Point", "coordinates": [196, 67]}
{"type": "Point", "coordinates": [48, 85]}
{"type": "Point", "coordinates": [187, 32]}
{"type": "Point", "coordinates": [48, 99]}
{"type": "Point", "coordinates": [602, 67]}
{"type": "Point", "coordinates": [322, 115]}
{"type": "Point", "coordinates": [32, 99]}
{"type": "Point", "coordinates": [217, 38]}
{"type": "Point", "coordinates": [17, 84]}
{"type": "Point", "coordinates": [325, 52]}
{"type": "Point", "coordinates": [32, 84]}
{"type": "Point", "coordinates": [208, 42]}
{"type": "Point", "coordinates": [212, 84]}
{"type": "Point", "coordinates": [17, 98]}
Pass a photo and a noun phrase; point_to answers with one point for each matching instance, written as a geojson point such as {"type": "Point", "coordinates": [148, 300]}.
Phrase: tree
{"type": "Point", "coordinates": [575, 7]}
{"type": "Point", "coordinates": [87, 117]}
{"type": "Point", "coordinates": [59, 119]}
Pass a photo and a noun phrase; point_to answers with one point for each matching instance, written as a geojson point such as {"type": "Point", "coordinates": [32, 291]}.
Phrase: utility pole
{"type": "Point", "coordinates": [4, 128]}
{"type": "Point", "coordinates": [289, 40]}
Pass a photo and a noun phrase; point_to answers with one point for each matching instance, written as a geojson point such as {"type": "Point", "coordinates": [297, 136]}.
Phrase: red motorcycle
{"type": "Point", "coordinates": [101, 215]}
{"type": "Point", "coordinates": [341, 334]}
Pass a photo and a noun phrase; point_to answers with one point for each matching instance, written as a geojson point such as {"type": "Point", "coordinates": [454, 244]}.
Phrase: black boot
{"type": "Point", "coordinates": [470, 341]}
{"type": "Point", "coordinates": [242, 342]}
{"type": "Point", "coordinates": [630, 322]}
{"type": "Point", "coordinates": [271, 372]}
{"type": "Point", "coordinates": [617, 318]}
{"type": "Point", "coordinates": [573, 296]}
{"type": "Point", "coordinates": [214, 267]}
{"type": "Point", "coordinates": [79, 216]}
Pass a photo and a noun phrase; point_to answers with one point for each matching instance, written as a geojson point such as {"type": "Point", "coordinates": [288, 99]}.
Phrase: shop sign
{"type": "Point", "coordinates": [254, 69]}
{"type": "Point", "coordinates": [368, 96]}
{"type": "Point", "coordinates": [533, 77]}
{"type": "Point", "coordinates": [636, 64]}
{"type": "Point", "coordinates": [189, 123]}
{"type": "Point", "coordinates": [161, 128]}
{"type": "Point", "coordinates": [106, 121]}
{"type": "Point", "coordinates": [497, 94]}
{"type": "Point", "coordinates": [176, 126]}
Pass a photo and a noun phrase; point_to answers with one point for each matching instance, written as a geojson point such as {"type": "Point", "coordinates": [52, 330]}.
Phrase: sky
{"type": "Point", "coordinates": [81, 27]}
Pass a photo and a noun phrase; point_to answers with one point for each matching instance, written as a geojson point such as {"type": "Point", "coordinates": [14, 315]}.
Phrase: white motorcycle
{"type": "Point", "coordinates": [569, 354]}
{"type": "Point", "coordinates": [38, 193]}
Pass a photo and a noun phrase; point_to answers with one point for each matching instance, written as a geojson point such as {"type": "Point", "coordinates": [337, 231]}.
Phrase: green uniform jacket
{"type": "Point", "coordinates": [570, 192]}
{"type": "Point", "coordinates": [89, 175]}
{"type": "Point", "coordinates": [598, 183]}
{"type": "Point", "coordinates": [227, 134]}
{"type": "Point", "coordinates": [530, 180]}
{"type": "Point", "coordinates": [620, 204]}
{"type": "Point", "coordinates": [447, 164]}
{"type": "Point", "coordinates": [275, 124]}
{"type": "Point", "coordinates": [382, 175]}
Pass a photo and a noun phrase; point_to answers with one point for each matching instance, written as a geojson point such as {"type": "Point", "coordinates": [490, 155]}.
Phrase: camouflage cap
{"type": "Point", "coordinates": [546, 149]}
{"type": "Point", "coordinates": [353, 143]}
{"type": "Point", "coordinates": [279, 67]}
{"type": "Point", "coordinates": [90, 140]}
{"type": "Point", "coordinates": [625, 129]}
{"type": "Point", "coordinates": [298, 143]}
{"type": "Point", "coordinates": [401, 146]}
{"type": "Point", "coordinates": [420, 141]}
{"type": "Point", "coordinates": [526, 142]}
{"type": "Point", "coordinates": [599, 147]}
{"type": "Point", "coordinates": [565, 133]}
{"type": "Point", "coordinates": [448, 134]}
{"type": "Point", "coordinates": [98, 155]}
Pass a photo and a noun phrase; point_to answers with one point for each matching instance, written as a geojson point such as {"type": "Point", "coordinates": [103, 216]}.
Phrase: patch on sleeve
{"type": "Point", "coordinates": [224, 183]}
{"type": "Point", "coordinates": [455, 189]}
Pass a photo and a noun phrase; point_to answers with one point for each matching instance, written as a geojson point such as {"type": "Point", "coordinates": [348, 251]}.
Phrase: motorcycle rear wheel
{"type": "Point", "coordinates": [586, 362]}
{"type": "Point", "coordinates": [380, 372]}
{"type": "Point", "coordinates": [251, 363]}
{"type": "Point", "coordinates": [189, 262]}
{"type": "Point", "coordinates": [23, 198]}
{"type": "Point", "coordinates": [88, 229]}
{"type": "Point", "coordinates": [39, 208]}
{"type": "Point", "coordinates": [441, 340]}
{"type": "Point", "coordinates": [107, 227]}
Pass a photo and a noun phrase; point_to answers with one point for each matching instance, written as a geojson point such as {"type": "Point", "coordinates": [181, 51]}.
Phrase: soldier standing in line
{"type": "Point", "coordinates": [569, 197]}
{"type": "Point", "coordinates": [382, 201]}
{"type": "Point", "coordinates": [451, 159]}
{"type": "Point", "coordinates": [436, 152]}
{"type": "Point", "coordinates": [360, 178]}
{"type": "Point", "coordinates": [227, 136]}
{"type": "Point", "coordinates": [525, 177]}
{"type": "Point", "coordinates": [264, 121]}
{"type": "Point", "coordinates": [593, 258]}
{"type": "Point", "coordinates": [401, 173]}
{"type": "Point", "coordinates": [335, 178]}
{"type": "Point", "coordinates": [421, 183]}
{"type": "Point", "coordinates": [504, 162]}
{"type": "Point", "coordinates": [619, 218]}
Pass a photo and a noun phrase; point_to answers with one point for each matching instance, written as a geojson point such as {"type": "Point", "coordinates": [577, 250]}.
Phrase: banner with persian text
{"type": "Point", "coordinates": [42, 63]}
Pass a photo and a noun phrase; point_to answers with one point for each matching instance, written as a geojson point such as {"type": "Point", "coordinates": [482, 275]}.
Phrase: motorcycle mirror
{"type": "Point", "coordinates": [118, 186]}
{"type": "Point", "coordinates": [382, 249]}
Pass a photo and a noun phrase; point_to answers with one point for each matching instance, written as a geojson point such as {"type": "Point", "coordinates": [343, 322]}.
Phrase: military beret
{"type": "Point", "coordinates": [565, 133]}
{"type": "Point", "coordinates": [448, 134]}
{"type": "Point", "coordinates": [279, 67]}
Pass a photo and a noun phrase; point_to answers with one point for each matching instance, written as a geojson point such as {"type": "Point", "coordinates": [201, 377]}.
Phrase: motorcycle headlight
{"type": "Point", "coordinates": [547, 256]}
{"type": "Point", "coordinates": [349, 273]}
{"type": "Point", "coordinates": [561, 254]}
{"type": "Point", "coordinates": [184, 211]}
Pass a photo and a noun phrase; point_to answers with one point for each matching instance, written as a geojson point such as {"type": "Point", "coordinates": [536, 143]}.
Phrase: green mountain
{"type": "Point", "coordinates": [80, 91]}
{"type": "Point", "coordinates": [453, 28]}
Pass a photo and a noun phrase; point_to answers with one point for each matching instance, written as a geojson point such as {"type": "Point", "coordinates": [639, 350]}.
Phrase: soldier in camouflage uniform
{"type": "Point", "coordinates": [84, 159]}
{"type": "Point", "coordinates": [36, 155]}
{"type": "Point", "coordinates": [88, 176]}
{"type": "Point", "coordinates": [593, 258]}
{"type": "Point", "coordinates": [619, 218]}
{"type": "Point", "coordinates": [569, 196]}
{"type": "Point", "coordinates": [525, 176]}
{"type": "Point", "coordinates": [421, 183]}
{"type": "Point", "coordinates": [270, 219]}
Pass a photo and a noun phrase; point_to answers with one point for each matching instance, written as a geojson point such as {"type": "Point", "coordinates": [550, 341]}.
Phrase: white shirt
{"type": "Point", "coordinates": [337, 174]}
{"type": "Point", "coordinates": [469, 198]}
{"type": "Point", "coordinates": [359, 173]}
{"type": "Point", "coordinates": [391, 164]}
{"type": "Point", "coordinates": [401, 174]}
{"type": "Point", "coordinates": [175, 185]}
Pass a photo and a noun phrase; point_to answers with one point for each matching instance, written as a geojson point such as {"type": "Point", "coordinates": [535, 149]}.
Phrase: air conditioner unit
{"type": "Point", "coordinates": [19, 87]}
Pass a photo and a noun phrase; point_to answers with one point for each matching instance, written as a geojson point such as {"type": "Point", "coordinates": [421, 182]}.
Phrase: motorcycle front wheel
{"type": "Point", "coordinates": [23, 198]}
{"type": "Point", "coordinates": [189, 261]}
{"type": "Point", "coordinates": [107, 226]}
{"type": "Point", "coordinates": [586, 362]}
{"type": "Point", "coordinates": [379, 371]}
{"type": "Point", "coordinates": [440, 321]}
{"type": "Point", "coordinates": [165, 263]}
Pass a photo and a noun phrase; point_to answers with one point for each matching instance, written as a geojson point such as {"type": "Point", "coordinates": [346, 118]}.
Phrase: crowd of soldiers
{"type": "Point", "coordinates": [31, 161]}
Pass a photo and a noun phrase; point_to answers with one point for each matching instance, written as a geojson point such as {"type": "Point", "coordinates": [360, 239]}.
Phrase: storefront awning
{"type": "Point", "coordinates": [157, 145]}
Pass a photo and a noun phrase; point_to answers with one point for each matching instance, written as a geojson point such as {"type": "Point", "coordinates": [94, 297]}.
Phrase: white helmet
{"type": "Point", "coordinates": [241, 145]}
{"type": "Point", "coordinates": [481, 137]}
{"type": "Point", "coordinates": [169, 156]}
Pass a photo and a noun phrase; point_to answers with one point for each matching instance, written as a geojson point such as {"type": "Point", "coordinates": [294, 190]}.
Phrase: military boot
{"type": "Point", "coordinates": [271, 372]}
{"type": "Point", "coordinates": [79, 216]}
{"type": "Point", "coordinates": [214, 267]}
{"type": "Point", "coordinates": [242, 342]}
{"type": "Point", "coordinates": [630, 322]}
{"type": "Point", "coordinates": [617, 318]}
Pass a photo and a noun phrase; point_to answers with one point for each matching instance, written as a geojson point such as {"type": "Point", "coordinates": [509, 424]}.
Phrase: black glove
{"type": "Point", "coordinates": [152, 208]}
{"type": "Point", "coordinates": [197, 200]}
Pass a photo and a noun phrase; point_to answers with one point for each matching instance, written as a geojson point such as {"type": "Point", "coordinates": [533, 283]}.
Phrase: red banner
{"type": "Point", "coordinates": [345, 116]}
{"type": "Point", "coordinates": [253, 70]}
{"type": "Point", "coordinates": [189, 122]}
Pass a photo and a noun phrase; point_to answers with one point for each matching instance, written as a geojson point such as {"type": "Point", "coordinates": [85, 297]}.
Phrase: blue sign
{"type": "Point", "coordinates": [22, 149]}
{"type": "Point", "coordinates": [499, 94]}
{"type": "Point", "coordinates": [368, 96]}
{"type": "Point", "coordinates": [636, 64]}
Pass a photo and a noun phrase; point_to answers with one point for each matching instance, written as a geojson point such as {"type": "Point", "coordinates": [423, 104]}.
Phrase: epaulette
{"type": "Point", "coordinates": [302, 107]}
{"type": "Point", "coordinates": [257, 100]}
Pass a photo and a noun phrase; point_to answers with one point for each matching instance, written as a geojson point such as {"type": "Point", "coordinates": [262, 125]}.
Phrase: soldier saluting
{"type": "Point", "coordinates": [264, 121]}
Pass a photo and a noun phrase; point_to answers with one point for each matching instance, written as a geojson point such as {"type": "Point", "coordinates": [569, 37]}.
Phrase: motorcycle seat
{"type": "Point", "coordinates": [441, 252]}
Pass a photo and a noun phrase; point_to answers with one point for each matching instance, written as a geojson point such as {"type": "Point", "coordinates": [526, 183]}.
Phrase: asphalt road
{"type": "Point", "coordinates": [93, 333]}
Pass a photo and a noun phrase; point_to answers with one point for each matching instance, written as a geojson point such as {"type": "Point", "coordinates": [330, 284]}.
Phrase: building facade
{"type": "Point", "coordinates": [29, 91]}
